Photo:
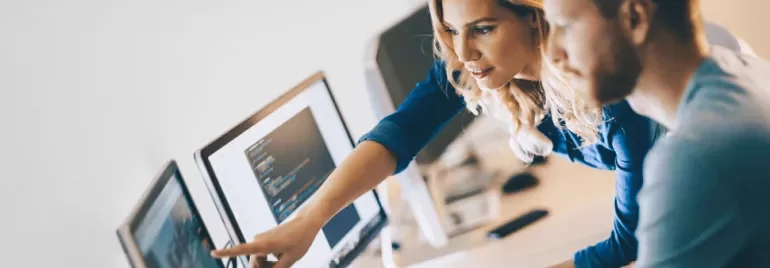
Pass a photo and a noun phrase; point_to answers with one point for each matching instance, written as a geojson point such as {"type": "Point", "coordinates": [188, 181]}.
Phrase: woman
{"type": "Point", "coordinates": [492, 54]}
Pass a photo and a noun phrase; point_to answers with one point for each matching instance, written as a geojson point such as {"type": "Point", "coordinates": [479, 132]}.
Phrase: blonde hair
{"type": "Point", "coordinates": [523, 110]}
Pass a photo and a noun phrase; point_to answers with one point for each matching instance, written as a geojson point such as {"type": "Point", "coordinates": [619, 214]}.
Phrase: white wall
{"type": "Point", "coordinates": [98, 94]}
{"type": "Point", "coordinates": [747, 19]}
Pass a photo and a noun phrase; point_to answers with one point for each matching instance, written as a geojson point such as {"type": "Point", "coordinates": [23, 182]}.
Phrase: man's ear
{"type": "Point", "coordinates": [636, 19]}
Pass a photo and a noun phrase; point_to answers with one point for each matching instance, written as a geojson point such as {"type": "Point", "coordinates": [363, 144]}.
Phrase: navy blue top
{"type": "Point", "coordinates": [624, 139]}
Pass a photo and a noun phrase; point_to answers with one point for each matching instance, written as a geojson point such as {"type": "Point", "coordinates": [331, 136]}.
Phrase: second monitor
{"type": "Point", "coordinates": [165, 230]}
{"type": "Point", "coordinates": [262, 171]}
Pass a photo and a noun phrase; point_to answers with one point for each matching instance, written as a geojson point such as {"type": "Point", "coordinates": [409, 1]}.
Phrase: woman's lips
{"type": "Point", "coordinates": [481, 74]}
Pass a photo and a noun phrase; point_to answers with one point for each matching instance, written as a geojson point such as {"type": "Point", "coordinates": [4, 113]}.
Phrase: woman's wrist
{"type": "Point", "coordinates": [314, 214]}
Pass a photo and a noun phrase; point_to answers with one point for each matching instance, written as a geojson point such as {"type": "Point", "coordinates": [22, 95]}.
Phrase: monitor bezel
{"type": "Point", "coordinates": [126, 230]}
{"type": "Point", "coordinates": [215, 190]}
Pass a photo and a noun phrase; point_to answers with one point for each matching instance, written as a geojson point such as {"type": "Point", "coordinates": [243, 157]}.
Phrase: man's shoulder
{"type": "Point", "coordinates": [728, 82]}
{"type": "Point", "coordinates": [712, 150]}
{"type": "Point", "coordinates": [727, 101]}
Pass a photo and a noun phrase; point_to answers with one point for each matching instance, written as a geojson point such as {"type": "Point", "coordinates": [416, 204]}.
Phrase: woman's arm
{"type": "Point", "coordinates": [631, 136]}
{"type": "Point", "coordinates": [392, 144]}
{"type": "Point", "coordinates": [430, 105]}
{"type": "Point", "coordinates": [362, 170]}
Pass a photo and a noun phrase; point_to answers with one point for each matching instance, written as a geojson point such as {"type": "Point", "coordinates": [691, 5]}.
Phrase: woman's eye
{"type": "Point", "coordinates": [483, 30]}
{"type": "Point", "coordinates": [451, 31]}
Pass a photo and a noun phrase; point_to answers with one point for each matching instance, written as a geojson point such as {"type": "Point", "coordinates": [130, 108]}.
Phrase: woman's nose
{"type": "Point", "coordinates": [465, 51]}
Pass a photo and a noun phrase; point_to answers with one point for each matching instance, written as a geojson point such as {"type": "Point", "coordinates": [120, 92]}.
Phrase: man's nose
{"type": "Point", "coordinates": [556, 52]}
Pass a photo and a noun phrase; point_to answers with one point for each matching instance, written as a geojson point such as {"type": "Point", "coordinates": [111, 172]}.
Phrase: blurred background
{"type": "Point", "coordinates": [95, 95]}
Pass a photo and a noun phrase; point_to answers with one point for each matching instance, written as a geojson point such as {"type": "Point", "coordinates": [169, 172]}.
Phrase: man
{"type": "Point", "coordinates": [704, 202]}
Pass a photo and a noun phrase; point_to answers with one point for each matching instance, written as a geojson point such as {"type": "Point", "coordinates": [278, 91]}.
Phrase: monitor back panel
{"type": "Point", "coordinates": [404, 58]}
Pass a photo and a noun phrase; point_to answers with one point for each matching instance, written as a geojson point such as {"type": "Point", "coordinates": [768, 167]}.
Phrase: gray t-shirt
{"type": "Point", "coordinates": [705, 201]}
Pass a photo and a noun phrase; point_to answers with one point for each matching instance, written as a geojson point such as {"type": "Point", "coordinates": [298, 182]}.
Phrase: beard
{"type": "Point", "coordinates": [617, 72]}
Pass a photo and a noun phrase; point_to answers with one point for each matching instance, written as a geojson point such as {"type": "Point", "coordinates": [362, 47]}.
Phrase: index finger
{"type": "Point", "coordinates": [254, 247]}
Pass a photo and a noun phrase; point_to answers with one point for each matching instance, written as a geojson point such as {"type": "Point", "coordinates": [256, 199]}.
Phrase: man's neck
{"type": "Point", "coordinates": [669, 64]}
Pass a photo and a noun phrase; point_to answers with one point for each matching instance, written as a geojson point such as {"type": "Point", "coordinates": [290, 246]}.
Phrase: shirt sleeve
{"type": "Point", "coordinates": [430, 105]}
{"type": "Point", "coordinates": [689, 214]}
{"type": "Point", "coordinates": [631, 137]}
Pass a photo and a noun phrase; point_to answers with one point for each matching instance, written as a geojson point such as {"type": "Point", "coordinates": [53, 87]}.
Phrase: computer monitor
{"type": "Point", "coordinates": [165, 229]}
{"type": "Point", "coordinates": [267, 167]}
{"type": "Point", "coordinates": [397, 58]}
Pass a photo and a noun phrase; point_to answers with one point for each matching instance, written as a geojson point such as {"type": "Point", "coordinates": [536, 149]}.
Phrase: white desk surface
{"type": "Point", "coordinates": [580, 204]}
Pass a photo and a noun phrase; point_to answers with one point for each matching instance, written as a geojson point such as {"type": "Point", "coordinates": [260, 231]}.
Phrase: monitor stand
{"type": "Point", "coordinates": [386, 235]}
{"type": "Point", "coordinates": [415, 194]}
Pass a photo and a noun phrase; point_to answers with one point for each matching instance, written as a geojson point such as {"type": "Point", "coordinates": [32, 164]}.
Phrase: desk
{"type": "Point", "coordinates": [580, 203]}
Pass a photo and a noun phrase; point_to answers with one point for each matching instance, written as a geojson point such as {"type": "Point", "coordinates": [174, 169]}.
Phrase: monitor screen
{"type": "Point", "coordinates": [268, 167]}
{"type": "Point", "coordinates": [167, 230]}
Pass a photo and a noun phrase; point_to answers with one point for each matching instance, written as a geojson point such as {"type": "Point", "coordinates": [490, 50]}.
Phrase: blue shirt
{"type": "Point", "coordinates": [624, 139]}
{"type": "Point", "coordinates": [705, 201]}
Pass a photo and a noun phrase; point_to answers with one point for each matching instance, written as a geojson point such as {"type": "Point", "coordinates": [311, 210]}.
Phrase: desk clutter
{"type": "Point", "coordinates": [573, 220]}
{"type": "Point", "coordinates": [465, 196]}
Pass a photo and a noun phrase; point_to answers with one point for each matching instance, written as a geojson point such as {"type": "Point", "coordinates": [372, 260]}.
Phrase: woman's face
{"type": "Point", "coordinates": [493, 43]}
